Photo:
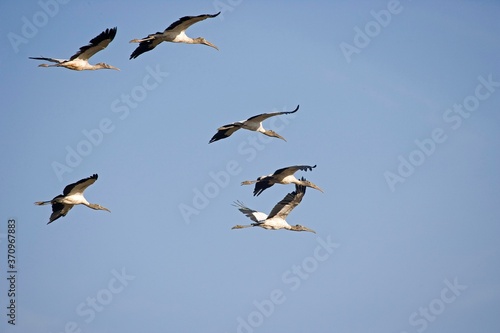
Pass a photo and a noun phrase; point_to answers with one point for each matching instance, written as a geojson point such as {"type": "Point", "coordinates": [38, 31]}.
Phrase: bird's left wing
{"type": "Point", "coordinates": [261, 117]}
{"type": "Point", "coordinates": [262, 184]}
{"type": "Point", "coordinates": [95, 45]}
{"type": "Point", "coordinates": [289, 202]}
{"type": "Point", "coordinates": [59, 210]}
{"type": "Point", "coordinates": [185, 22]}
{"type": "Point", "coordinates": [250, 213]}
{"type": "Point", "coordinates": [225, 131]}
{"type": "Point", "coordinates": [80, 185]}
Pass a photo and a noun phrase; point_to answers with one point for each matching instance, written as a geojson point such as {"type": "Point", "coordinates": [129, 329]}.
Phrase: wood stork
{"type": "Point", "coordinates": [72, 195]}
{"type": "Point", "coordinates": [175, 33]}
{"type": "Point", "coordinates": [253, 124]}
{"type": "Point", "coordinates": [281, 176]}
{"type": "Point", "coordinates": [276, 219]}
{"type": "Point", "coordinates": [80, 60]}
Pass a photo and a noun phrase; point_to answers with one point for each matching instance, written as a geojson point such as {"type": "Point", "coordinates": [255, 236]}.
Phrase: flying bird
{"type": "Point", "coordinates": [80, 60]}
{"type": "Point", "coordinates": [276, 219]}
{"type": "Point", "coordinates": [252, 124]}
{"type": "Point", "coordinates": [281, 176]}
{"type": "Point", "coordinates": [175, 33]}
{"type": "Point", "coordinates": [72, 195]}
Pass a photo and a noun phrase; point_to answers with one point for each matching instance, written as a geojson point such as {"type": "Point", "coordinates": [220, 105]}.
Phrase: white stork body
{"type": "Point", "coordinates": [72, 195]}
{"type": "Point", "coordinates": [281, 176]}
{"type": "Point", "coordinates": [175, 33]}
{"type": "Point", "coordinates": [80, 60]}
{"type": "Point", "coordinates": [276, 220]}
{"type": "Point", "coordinates": [252, 124]}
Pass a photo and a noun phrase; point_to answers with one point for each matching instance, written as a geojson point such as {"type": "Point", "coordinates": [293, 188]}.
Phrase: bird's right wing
{"type": "Point", "coordinates": [293, 169]}
{"type": "Point", "coordinates": [80, 185]}
{"type": "Point", "coordinates": [250, 213]}
{"type": "Point", "coordinates": [261, 117]}
{"type": "Point", "coordinates": [289, 202]}
{"type": "Point", "coordinates": [95, 45]}
{"type": "Point", "coordinates": [185, 22]}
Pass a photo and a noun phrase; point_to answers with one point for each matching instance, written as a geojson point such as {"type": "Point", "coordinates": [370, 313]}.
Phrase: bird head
{"type": "Point", "coordinates": [106, 66]}
{"type": "Point", "coordinates": [201, 40]}
{"type": "Point", "coordinates": [238, 227]}
{"type": "Point", "coordinates": [299, 227]}
{"type": "Point", "coordinates": [99, 207]}
{"type": "Point", "coordinates": [274, 134]}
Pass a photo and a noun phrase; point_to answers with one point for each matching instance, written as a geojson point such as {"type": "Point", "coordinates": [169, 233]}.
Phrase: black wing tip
{"type": "Point", "coordinates": [300, 188]}
{"type": "Point", "coordinates": [109, 33]}
{"type": "Point", "coordinates": [207, 15]}
{"type": "Point", "coordinates": [214, 138]}
{"type": "Point", "coordinates": [258, 189]}
{"type": "Point", "coordinates": [135, 54]}
{"type": "Point", "coordinates": [142, 48]}
{"type": "Point", "coordinates": [219, 136]}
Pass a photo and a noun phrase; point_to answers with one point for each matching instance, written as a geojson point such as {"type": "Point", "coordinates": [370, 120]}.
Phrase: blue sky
{"type": "Point", "coordinates": [398, 109]}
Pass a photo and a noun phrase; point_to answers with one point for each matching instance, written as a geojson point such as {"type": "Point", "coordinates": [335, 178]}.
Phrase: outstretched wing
{"type": "Point", "coordinates": [225, 131]}
{"type": "Point", "coordinates": [59, 210]}
{"type": "Point", "coordinates": [261, 117]}
{"type": "Point", "coordinates": [250, 213]}
{"type": "Point", "coordinates": [262, 184]}
{"type": "Point", "coordinates": [146, 45]}
{"type": "Point", "coordinates": [185, 22]}
{"type": "Point", "coordinates": [58, 61]}
{"type": "Point", "coordinates": [289, 202]}
{"type": "Point", "coordinates": [80, 185]}
{"type": "Point", "coordinates": [95, 45]}
{"type": "Point", "coordinates": [292, 169]}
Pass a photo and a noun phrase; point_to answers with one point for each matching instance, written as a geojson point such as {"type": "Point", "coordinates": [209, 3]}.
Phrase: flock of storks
{"type": "Point", "coordinates": [73, 193]}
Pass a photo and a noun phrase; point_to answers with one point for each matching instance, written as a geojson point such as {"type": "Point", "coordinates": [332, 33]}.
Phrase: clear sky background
{"type": "Point", "coordinates": [399, 110]}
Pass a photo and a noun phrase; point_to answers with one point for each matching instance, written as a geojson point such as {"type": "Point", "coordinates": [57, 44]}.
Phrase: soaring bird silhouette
{"type": "Point", "coordinates": [276, 218]}
{"type": "Point", "coordinates": [72, 195]}
{"type": "Point", "coordinates": [252, 124]}
{"type": "Point", "coordinates": [80, 60]}
{"type": "Point", "coordinates": [175, 33]}
{"type": "Point", "coordinates": [281, 176]}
